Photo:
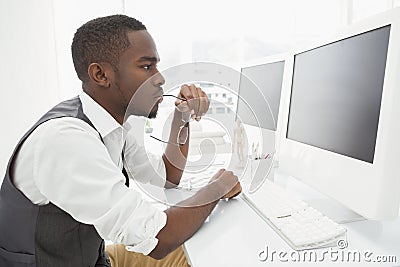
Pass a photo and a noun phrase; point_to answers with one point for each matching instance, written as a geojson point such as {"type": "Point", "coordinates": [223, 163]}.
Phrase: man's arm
{"type": "Point", "coordinates": [186, 217]}
{"type": "Point", "coordinates": [175, 156]}
{"type": "Point", "coordinates": [195, 106]}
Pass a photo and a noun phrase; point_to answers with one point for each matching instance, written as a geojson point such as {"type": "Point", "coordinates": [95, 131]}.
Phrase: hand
{"type": "Point", "coordinates": [228, 184]}
{"type": "Point", "coordinates": [197, 103]}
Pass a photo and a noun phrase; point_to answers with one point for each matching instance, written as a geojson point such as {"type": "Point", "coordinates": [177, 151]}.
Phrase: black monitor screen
{"type": "Point", "coordinates": [336, 94]}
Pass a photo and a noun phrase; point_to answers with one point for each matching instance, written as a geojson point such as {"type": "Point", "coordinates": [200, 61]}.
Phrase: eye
{"type": "Point", "coordinates": [149, 67]}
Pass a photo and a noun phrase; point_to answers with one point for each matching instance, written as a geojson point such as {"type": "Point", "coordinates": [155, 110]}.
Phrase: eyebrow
{"type": "Point", "coordinates": [152, 59]}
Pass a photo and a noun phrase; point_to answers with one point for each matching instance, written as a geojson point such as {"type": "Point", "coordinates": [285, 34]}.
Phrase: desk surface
{"type": "Point", "coordinates": [234, 235]}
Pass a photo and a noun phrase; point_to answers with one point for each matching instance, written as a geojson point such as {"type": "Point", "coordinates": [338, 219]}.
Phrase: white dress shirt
{"type": "Point", "coordinates": [64, 162]}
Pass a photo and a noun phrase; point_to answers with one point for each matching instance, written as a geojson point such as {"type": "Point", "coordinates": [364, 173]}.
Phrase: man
{"type": "Point", "coordinates": [66, 184]}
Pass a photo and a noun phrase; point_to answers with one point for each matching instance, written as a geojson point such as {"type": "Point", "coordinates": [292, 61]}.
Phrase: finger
{"type": "Point", "coordinates": [193, 90]}
{"type": "Point", "coordinates": [207, 102]}
{"type": "Point", "coordinates": [182, 106]}
{"type": "Point", "coordinates": [191, 106]}
{"type": "Point", "coordinates": [195, 100]}
{"type": "Point", "coordinates": [185, 92]}
{"type": "Point", "coordinates": [234, 181]}
{"type": "Point", "coordinates": [236, 192]}
{"type": "Point", "coordinates": [202, 104]}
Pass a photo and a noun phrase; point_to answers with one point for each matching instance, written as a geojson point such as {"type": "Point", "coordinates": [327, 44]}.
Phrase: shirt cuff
{"type": "Point", "coordinates": [152, 228]}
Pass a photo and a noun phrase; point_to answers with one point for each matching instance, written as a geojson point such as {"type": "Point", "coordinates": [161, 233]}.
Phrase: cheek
{"type": "Point", "coordinates": [130, 84]}
{"type": "Point", "coordinates": [136, 86]}
{"type": "Point", "coordinates": [142, 96]}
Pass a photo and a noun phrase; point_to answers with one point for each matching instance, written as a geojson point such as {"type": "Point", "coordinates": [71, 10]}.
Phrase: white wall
{"type": "Point", "coordinates": [68, 17]}
{"type": "Point", "coordinates": [28, 71]}
{"type": "Point", "coordinates": [37, 70]}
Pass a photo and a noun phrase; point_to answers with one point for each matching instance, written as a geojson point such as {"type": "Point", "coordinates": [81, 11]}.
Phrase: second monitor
{"type": "Point", "coordinates": [259, 105]}
{"type": "Point", "coordinates": [260, 93]}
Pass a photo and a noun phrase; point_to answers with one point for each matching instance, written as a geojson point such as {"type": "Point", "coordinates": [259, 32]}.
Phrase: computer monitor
{"type": "Point", "coordinates": [341, 130]}
{"type": "Point", "coordinates": [260, 93]}
{"type": "Point", "coordinates": [258, 105]}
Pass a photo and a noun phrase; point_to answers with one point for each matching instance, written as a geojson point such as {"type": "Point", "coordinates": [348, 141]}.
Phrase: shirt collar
{"type": "Point", "coordinates": [101, 119]}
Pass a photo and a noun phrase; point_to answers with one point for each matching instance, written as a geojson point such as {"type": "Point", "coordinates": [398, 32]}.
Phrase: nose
{"type": "Point", "coordinates": [158, 79]}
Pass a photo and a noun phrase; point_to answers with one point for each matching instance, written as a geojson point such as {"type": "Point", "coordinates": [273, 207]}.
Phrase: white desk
{"type": "Point", "coordinates": [234, 235]}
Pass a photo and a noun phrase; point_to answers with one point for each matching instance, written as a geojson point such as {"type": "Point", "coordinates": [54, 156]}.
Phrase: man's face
{"type": "Point", "coordinates": [137, 79]}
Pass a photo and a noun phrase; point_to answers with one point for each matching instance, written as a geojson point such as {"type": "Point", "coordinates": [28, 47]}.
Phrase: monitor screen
{"type": "Point", "coordinates": [336, 94]}
{"type": "Point", "coordinates": [259, 85]}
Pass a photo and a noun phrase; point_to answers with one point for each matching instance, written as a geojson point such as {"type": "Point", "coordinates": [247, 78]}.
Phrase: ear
{"type": "Point", "coordinates": [99, 74]}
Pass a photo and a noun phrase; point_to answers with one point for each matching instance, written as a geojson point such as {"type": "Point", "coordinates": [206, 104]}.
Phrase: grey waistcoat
{"type": "Point", "coordinates": [33, 235]}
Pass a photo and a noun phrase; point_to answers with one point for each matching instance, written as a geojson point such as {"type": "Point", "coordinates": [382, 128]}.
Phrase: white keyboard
{"type": "Point", "coordinates": [193, 181]}
{"type": "Point", "coordinates": [300, 225]}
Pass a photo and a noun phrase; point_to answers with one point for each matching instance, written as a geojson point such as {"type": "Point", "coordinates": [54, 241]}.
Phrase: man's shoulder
{"type": "Point", "coordinates": [57, 135]}
{"type": "Point", "coordinates": [57, 127]}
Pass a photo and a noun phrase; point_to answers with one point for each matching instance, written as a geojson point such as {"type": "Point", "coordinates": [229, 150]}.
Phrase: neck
{"type": "Point", "coordinates": [105, 101]}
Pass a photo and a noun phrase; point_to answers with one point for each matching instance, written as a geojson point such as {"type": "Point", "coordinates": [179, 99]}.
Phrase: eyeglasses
{"type": "Point", "coordinates": [183, 130]}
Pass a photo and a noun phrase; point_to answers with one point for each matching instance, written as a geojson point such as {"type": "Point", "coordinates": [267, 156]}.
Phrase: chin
{"type": "Point", "coordinates": [153, 112]}
{"type": "Point", "coordinates": [152, 115]}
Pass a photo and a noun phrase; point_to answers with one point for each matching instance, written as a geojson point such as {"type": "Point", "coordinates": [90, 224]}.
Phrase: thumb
{"type": "Point", "coordinates": [182, 106]}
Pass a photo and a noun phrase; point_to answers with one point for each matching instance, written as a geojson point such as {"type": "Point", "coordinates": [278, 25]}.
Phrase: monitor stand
{"type": "Point", "coordinates": [334, 210]}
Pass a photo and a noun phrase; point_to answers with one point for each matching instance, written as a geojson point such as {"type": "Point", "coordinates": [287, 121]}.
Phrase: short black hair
{"type": "Point", "coordinates": [102, 40]}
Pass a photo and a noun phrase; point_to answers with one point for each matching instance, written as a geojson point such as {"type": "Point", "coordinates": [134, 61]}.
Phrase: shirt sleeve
{"type": "Point", "coordinates": [142, 165]}
{"type": "Point", "coordinates": [73, 169]}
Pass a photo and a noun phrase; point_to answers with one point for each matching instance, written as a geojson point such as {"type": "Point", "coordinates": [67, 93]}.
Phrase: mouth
{"type": "Point", "coordinates": [159, 99]}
